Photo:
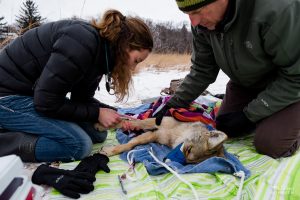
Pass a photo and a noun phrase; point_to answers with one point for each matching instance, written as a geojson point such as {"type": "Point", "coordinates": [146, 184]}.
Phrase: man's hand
{"type": "Point", "coordinates": [108, 117]}
{"type": "Point", "coordinates": [160, 114]}
{"type": "Point", "coordinates": [234, 124]}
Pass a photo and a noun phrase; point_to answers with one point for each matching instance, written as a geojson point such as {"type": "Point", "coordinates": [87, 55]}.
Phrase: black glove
{"type": "Point", "coordinates": [234, 124]}
{"type": "Point", "coordinates": [69, 182]}
{"type": "Point", "coordinates": [160, 114]}
{"type": "Point", "coordinates": [93, 164]}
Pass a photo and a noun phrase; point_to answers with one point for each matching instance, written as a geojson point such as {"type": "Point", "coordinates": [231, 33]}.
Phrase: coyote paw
{"type": "Point", "coordinates": [107, 150]}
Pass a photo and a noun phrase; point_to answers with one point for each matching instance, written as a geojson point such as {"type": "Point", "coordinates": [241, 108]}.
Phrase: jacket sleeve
{"type": "Point", "coordinates": [84, 92]}
{"type": "Point", "coordinates": [72, 55]}
{"type": "Point", "coordinates": [281, 43]}
{"type": "Point", "coordinates": [204, 71]}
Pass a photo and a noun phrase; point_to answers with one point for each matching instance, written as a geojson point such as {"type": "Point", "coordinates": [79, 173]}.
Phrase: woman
{"type": "Point", "coordinates": [39, 69]}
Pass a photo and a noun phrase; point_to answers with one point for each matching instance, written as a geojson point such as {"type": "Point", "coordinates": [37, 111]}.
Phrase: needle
{"type": "Point", "coordinates": [122, 186]}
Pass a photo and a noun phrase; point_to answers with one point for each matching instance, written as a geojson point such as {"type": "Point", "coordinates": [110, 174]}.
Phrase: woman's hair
{"type": "Point", "coordinates": [123, 33]}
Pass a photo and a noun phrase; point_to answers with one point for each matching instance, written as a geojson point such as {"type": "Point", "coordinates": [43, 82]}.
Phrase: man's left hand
{"type": "Point", "coordinates": [160, 114]}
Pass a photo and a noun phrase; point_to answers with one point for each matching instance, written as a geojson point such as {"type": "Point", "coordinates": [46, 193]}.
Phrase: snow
{"type": "Point", "coordinates": [148, 84]}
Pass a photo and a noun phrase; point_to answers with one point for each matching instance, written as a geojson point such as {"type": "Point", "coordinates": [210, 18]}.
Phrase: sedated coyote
{"type": "Point", "coordinates": [198, 142]}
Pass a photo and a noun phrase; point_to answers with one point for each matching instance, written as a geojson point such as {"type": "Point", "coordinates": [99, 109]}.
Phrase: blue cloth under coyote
{"type": "Point", "coordinates": [215, 164]}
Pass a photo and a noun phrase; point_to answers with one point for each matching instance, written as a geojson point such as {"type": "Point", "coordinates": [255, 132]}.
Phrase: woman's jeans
{"type": "Point", "coordinates": [58, 140]}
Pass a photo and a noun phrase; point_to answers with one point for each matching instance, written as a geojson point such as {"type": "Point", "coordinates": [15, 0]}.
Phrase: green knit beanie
{"type": "Point", "coordinates": [189, 5]}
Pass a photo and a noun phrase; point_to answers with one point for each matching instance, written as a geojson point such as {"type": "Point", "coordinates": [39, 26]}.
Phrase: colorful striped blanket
{"type": "Point", "coordinates": [195, 112]}
{"type": "Point", "coordinates": [270, 178]}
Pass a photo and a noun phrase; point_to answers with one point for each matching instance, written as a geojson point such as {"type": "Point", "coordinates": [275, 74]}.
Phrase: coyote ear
{"type": "Point", "coordinates": [216, 138]}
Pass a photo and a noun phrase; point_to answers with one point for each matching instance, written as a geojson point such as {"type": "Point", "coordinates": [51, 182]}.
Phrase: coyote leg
{"type": "Point", "coordinates": [144, 124]}
{"type": "Point", "coordinates": [141, 139]}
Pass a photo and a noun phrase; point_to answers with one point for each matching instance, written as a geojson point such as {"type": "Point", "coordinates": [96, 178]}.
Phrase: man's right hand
{"type": "Point", "coordinates": [160, 114]}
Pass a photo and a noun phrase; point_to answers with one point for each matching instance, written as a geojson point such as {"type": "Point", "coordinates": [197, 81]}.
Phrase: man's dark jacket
{"type": "Point", "coordinates": [52, 60]}
{"type": "Point", "coordinates": [258, 50]}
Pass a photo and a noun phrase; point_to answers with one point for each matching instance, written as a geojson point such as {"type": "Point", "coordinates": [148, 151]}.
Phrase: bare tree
{"type": "Point", "coordinates": [3, 30]}
{"type": "Point", "coordinates": [170, 38]}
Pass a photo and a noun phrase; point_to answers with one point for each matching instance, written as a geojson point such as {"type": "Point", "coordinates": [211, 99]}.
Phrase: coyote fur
{"type": "Point", "coordinates": [198, 142]}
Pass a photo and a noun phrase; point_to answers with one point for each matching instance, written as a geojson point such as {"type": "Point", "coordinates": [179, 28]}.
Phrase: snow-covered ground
{"type": "Point", "coordinates": [149, 83]}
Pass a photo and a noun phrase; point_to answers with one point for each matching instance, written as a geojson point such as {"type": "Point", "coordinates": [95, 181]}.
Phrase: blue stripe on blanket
{"type": "Point", "coordinates": [214, 164]}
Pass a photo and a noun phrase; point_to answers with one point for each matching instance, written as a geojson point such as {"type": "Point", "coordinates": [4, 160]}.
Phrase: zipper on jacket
{"type": "Point", "coordinates": [231, 49]}
{"type": "Point", "coordinates": [228, 57]}
{"type": "Point", "coordinates": [224, 51]}
{"type": "Point", "coordinates": [222, 40]}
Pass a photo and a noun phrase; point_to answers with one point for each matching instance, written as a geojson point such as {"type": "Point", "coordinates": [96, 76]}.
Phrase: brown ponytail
{"type": "Point", "coordinates": [123, 33]}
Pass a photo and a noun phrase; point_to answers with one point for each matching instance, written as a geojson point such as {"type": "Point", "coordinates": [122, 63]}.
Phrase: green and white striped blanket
{"type": "Point", "coordinates": [270, 178]}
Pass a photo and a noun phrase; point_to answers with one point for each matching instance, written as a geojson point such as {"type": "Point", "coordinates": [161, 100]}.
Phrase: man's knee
{"type": "Point", "coordinates": [274, 148]}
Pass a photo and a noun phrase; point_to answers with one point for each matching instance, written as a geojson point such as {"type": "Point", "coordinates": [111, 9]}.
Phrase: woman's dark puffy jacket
{"type": "Point", "coordinates": [52, 60]}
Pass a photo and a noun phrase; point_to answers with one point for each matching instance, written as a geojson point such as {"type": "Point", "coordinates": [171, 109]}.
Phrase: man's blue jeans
{"type": "Point", "coordinates": [58, 140]}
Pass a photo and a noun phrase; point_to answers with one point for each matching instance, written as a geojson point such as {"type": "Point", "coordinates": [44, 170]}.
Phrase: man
{"type": "Point", "coordinates": [256, 44]}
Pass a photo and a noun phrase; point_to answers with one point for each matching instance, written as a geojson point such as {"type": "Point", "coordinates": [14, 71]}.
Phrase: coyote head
{"type": "Point", "coordinates": [203, 144]}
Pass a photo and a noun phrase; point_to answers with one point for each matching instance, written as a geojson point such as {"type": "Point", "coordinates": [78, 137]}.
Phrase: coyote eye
{"type": "Point", "coordinates": [189, 150]}
{"type": "Point", "coordinates": [213, 151]}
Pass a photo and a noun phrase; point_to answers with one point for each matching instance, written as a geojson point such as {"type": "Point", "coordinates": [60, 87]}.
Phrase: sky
{"type": "Point", "coordinates": [157, 10]}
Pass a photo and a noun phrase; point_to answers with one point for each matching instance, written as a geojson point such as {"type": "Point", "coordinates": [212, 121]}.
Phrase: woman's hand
{"type": "Point", "coordinates": [108, 117]}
